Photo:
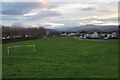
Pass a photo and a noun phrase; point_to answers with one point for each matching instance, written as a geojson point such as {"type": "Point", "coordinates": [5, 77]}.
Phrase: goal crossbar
{"type": "Point", "coordinates": [8, 48]}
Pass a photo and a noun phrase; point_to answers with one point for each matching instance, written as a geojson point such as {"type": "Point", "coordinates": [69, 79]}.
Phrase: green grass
{"type": "Point", "coordinates": [62, 58]}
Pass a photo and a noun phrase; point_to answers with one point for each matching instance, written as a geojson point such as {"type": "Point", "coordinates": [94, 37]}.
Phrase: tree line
{"type": "Point", "coordinates": [14, 33]}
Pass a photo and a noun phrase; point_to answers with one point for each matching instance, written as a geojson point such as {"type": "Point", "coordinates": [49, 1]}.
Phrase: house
{"type": "Point", "coordinates": [72, 34]}
{"type": "Point", "coordinates": [108, 35]}
{"type": "Point", "coordinates": [113, 35]}
{"type": "Point", "coordinates": [82, 33]}
{"type": "Point", "coordinates": [63, 34]}
{"type": "Point", "coordinates": [77, 34]}
{"type": "Point", "coordinates": [87, 35]}
{"type": "Point", "coordinates": [90, 35]}
{"type": "Point", "coordinates": [103, 35]}
{"type": "Point", "coordinates": [95, 35]}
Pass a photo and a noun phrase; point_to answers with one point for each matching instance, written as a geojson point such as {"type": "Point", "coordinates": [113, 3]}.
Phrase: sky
{"type": "Point", "coordinates": [58, 14]}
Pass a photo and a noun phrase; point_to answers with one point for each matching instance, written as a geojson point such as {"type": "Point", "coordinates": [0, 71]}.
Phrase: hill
{"type": "Point", "coordinates": [90, 28]}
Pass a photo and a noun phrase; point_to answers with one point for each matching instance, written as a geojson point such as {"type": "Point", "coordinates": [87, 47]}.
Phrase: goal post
{"type": "Point", "coordinates": [8, 48]}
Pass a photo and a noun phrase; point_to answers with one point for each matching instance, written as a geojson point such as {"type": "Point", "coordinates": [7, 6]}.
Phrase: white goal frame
{"type": "Point", "coordinates": [8, 48]}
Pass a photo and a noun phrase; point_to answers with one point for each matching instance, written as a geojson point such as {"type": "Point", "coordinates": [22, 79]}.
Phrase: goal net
{"type": "Point", "coordinates": [9, 47]}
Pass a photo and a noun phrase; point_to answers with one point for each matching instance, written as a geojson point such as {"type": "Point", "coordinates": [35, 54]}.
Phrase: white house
{"type": "Point", "coordinates": [64, 34]}
{"type": "Point", "coordinates": [108, 35]}
{"type": "Point", "coordinates": [87, 35]}
{"type": "Point", "coordinates": [95, 35]}
{"type": "Point", "coordinates": [113, 35]}
{"type": "Point", "coordinates": [71, 34]}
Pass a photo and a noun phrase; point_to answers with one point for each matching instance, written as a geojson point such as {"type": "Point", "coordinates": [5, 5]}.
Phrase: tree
{"type": "Point", "coordinates": [22, 33]}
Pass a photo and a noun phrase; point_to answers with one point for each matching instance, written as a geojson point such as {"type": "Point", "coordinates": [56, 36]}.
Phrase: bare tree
{"type": "Point", "coordinates": [13, 33]}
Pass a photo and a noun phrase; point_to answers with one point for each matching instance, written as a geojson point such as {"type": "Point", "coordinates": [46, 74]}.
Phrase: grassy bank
{"type": "Point", "coordinates": [61, 58]}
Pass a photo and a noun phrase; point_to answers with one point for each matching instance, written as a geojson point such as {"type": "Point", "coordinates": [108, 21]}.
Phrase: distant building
{"type": "Point", "coordinates": [102, 34]}
{"type": "Point", "coordinates": [108, 35]}
{"type": "Point", "coordinates": [71, 34]}
{"type": "Point", "coordinates": [113, 35]}
{"type": "Point", "coordinates": [95, 35]}
{"type": "Point", "coordinates": [87, 35]}
{"type": "Point", "coordinates": [63, 34]}
{"type": "Point", "coordinates": [91, 34]}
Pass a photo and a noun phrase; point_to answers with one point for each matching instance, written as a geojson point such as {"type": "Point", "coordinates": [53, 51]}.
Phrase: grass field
{"type": "Point", "coordinates": [62, 58]}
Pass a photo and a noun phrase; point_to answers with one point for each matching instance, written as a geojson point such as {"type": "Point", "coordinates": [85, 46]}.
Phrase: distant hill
{"type": "Point", "coordinates": [90, 28]}
{"type": "Point", "coordinates": [48, 30]}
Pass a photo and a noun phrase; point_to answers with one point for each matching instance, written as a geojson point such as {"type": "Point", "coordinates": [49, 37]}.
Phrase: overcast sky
{"type": "Point", "coordinates": [59, 14]}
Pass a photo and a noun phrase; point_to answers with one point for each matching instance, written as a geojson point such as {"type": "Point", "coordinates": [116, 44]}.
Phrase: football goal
{"type": "Point", "coordinates": [8, 48]}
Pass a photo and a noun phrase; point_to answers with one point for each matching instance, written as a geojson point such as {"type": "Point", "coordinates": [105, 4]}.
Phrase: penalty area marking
{"type": "Point", "coordinates": [8, 48]}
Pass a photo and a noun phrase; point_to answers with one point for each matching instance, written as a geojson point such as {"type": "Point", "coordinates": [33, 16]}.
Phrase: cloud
{"type": "Point", "coordinates": [20, 8]}
{"type": "Point", "coordinates": [111, 19]}
{"type": "Point", "coordinates": [17, 25]}
{"type": "Point", "coordinates": [49, 25]}
{"type": "Point", "coordinates": [90, 9]}
{"type": "Point", "coordinates": [53, 5]}
{"type": "Point", "coordinates": [28, 25]}
{"type": "Point", "coordinates": [44, 14]}
{"type": "Point", "coordinates": [7, 17]}
{"type": "Point", "coordinates": [104, 19]}
{"type": "Point", "coordinates": [22, 25]}
{"type": "Point", "coordinates": [61, 0]}
{"type": "Point", "coordinates": [69, 14]}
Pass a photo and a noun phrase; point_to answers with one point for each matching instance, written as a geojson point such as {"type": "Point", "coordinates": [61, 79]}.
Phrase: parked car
{"type": "Point", "coordinates": [84, 37]}
{"type": "Point", "coordinates": [105, 38]}
{"type": "Point", "coordinates": [81, 37]}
